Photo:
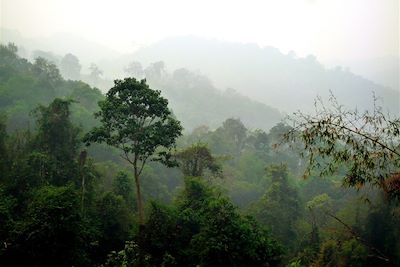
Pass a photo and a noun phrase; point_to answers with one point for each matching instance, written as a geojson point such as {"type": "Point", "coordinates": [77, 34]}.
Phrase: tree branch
{"type": "Point", "coordinates": [380, 255]}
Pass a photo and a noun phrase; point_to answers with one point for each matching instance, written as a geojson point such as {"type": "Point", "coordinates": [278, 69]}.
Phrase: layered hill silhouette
{"type": "Point", "coordinates": [264, 73]}
{"type": "Point", "coordinates": [207, 81]}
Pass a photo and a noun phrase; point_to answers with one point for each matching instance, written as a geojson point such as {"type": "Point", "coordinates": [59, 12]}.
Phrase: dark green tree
{"type": "Point", "coordinates": [197, 158]}
{"type": "Point", "coordinates": [47, 72]}
{"type": "Point", "coordinates": [279, 208]}
{"type": "Point", "coordinates": [52, 231]}
{"type": "Point", "coordinates": [57, 135]}
{"type": "Point", "coordinates": [236, 132]}
{"type": "Point", "coordinates": [57, 139]}
{"type": "Point", "coordinates": [136, 119]}
{"type": "Point", "coordinates": [221, 236]}
{"type": "Point", "coordinates": [123, 186]}
{"type": "Point", "coordinates": [115, 223]}
{"type": "Point", "coordinates": [3, 148]}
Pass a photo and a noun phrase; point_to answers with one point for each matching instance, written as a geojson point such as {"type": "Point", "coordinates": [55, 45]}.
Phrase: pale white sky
{"type": "Point", "coordinates": [329, 29]}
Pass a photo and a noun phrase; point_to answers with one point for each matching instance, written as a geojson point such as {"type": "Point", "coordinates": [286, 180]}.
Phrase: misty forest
{"type": "Point", "coordinates": [194, 152]}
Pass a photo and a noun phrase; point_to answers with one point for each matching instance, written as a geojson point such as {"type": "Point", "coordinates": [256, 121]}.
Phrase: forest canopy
{"type": "Point", "coordinates": [216, 195]}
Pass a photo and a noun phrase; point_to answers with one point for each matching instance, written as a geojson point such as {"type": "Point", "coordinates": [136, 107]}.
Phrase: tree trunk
{"type": "Point", "coordinates": [140, 211]}
{"type": "Point", "coordinates": [82, 161]}
{"type": "Point", "coordinates": [139, 196]}
{"type": "Point", "coordinates": [83, 193]}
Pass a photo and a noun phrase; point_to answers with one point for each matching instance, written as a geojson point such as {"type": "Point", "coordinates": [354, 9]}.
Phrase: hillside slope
{"type": "Point", "coordinates": [264, 73]}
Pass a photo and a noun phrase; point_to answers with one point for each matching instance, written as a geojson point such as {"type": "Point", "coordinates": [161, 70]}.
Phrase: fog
{"type": "Point", "coordinates": [336, 32]}
{"type": "Point", "coordinates": [199, 133]}
{"type": "Point", "coordinates": [263, 40]}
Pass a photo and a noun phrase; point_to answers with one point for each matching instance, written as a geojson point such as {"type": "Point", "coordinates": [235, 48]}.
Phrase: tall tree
{"type": "Point", "coordinates": [57, 140]}
{"type": "Point", "coordinates": [155, 71]}
{"type": "Point", "coordinates": [57, 135]}
{"type": "Point", "coordinates": [134, 69]}
{"type": "Point", "coordinates": [95, 74]}
{"type": "Point", "coordinates": [236, 132]}
{"type": "Point", "coordinates": [47, 72]}
{"type": "Point", "coordinates": [70, 67]}
{"type": "Point", "coordinates": [197, 158]}
{"type": "Point", "coordinates": [136, 119]}
{"type": "Point", "coordinates": [279, 208]}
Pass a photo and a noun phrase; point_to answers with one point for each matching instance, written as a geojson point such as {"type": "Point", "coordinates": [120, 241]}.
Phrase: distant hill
{"type": "Point", "coordinates": [25, 85]}
{"type": "Point", "coordinates": [261, 77]}
{"type": "Point", "coordinates": [264, 73]}
{"type": "Point", "coordinates": [383, 70]}
{"type": "Point", "coordinates": [60, 43]}
{"type": "Point", "coordinates": [196, 102]}
{"type": "Point", "coordinates": [193, 98]}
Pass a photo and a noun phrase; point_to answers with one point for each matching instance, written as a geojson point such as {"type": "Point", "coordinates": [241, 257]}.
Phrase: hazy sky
{"type": "Point", "coordinates": [329, 29]}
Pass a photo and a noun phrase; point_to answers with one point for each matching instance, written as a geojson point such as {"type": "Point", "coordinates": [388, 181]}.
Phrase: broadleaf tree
{"type": "Point", "coordinates": [197, 158]}
{"type": "Point", "coordinates": [136, 119]}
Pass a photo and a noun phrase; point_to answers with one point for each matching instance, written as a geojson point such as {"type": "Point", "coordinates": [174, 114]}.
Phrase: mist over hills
{"type": "Point", "coordinates": [196, 101]}
{"type": "Point", "coordinates": [383, 70]}
{"type": "Point", "coordinates": [284, 81]}
{"type": "Point", "coordinates": [128, 140]}
{"type": "Point", "coordinates": [192, 96]}
{"type": "Point", "coordinates": [60, 44]}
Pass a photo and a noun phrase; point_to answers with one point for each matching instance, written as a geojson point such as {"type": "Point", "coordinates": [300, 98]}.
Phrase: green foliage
{"type": "Point", "coordinates": [57, 141]}
{"type": "Point", "coordinates": [10, 63]}
{"type": "Point", "coordinates": [221, 235]}
{"type": "Point", "coordinates": [354, 253]}
{"type": "Point", "coordinates": [197, 158]}
{"type": "Point", "coordinates": [295, 264]}
{"type": "Point", "coordinates": [70, 67]}
{"type": "Point", "coordinates": [24, 86]}
{"type": "Point", "coordinates": [52, 232]}
{"type": "Point", "coordinates": [322, 201]}
{"type": "Point", "coordinates": [47, 72]}
{"type": "Point", "coordinates": [280, 207]}
{"type": "Point", "coordinates": [381, 233]}
{"type": "Point", "coordinates": [56, 134]}
{"type": "Point", "coordinates": [59, 207]}
{"type": "Point", "coordinates": [260, 141]}
{"type": "Point", "coordinates": [329, 254]}
{"type": "Point", "coordinates": [95, 74]}
{"type": "Point", "coordinates": [7, 222]}
{"type": "Point", "coordinates": [348, 253]}
{"type": "Point", "coordinates": [230, 138]}
{"type": "Point", "coordinates": [366, 143]}
{"type": "Point", "coordinates": [202, 229]}
{"type": "Point", "coordinates": [161, 233]}
{"type": "Point", "coordinates": [197, 102]}
{"type": "Point", "coordinates": [115, 223]}
{"type": "Point", "coordinates": [123, 186]}
{"type": "Point", "coordinates": [3, 150]}
{"type": "Point", "coordinates": [136, 119]}
{"type": "Point", "coordinates": [229, 239]}
{"type": "Point", "coordinates": [236, 132]}
{"type": "Point", "coordinates": [128, 257]}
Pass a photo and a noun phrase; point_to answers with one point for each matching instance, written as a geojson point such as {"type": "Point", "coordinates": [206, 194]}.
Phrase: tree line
{"type": "Point", "coordinates": [145, 194]}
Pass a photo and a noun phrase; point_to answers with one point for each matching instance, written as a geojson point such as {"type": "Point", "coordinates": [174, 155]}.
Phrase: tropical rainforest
{"type": "Point", "coordinates": [162, 169]}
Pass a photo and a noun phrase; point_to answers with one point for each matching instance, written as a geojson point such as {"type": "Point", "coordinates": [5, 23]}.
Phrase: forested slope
{"type": "Point", "coordinates": [236, 198]}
